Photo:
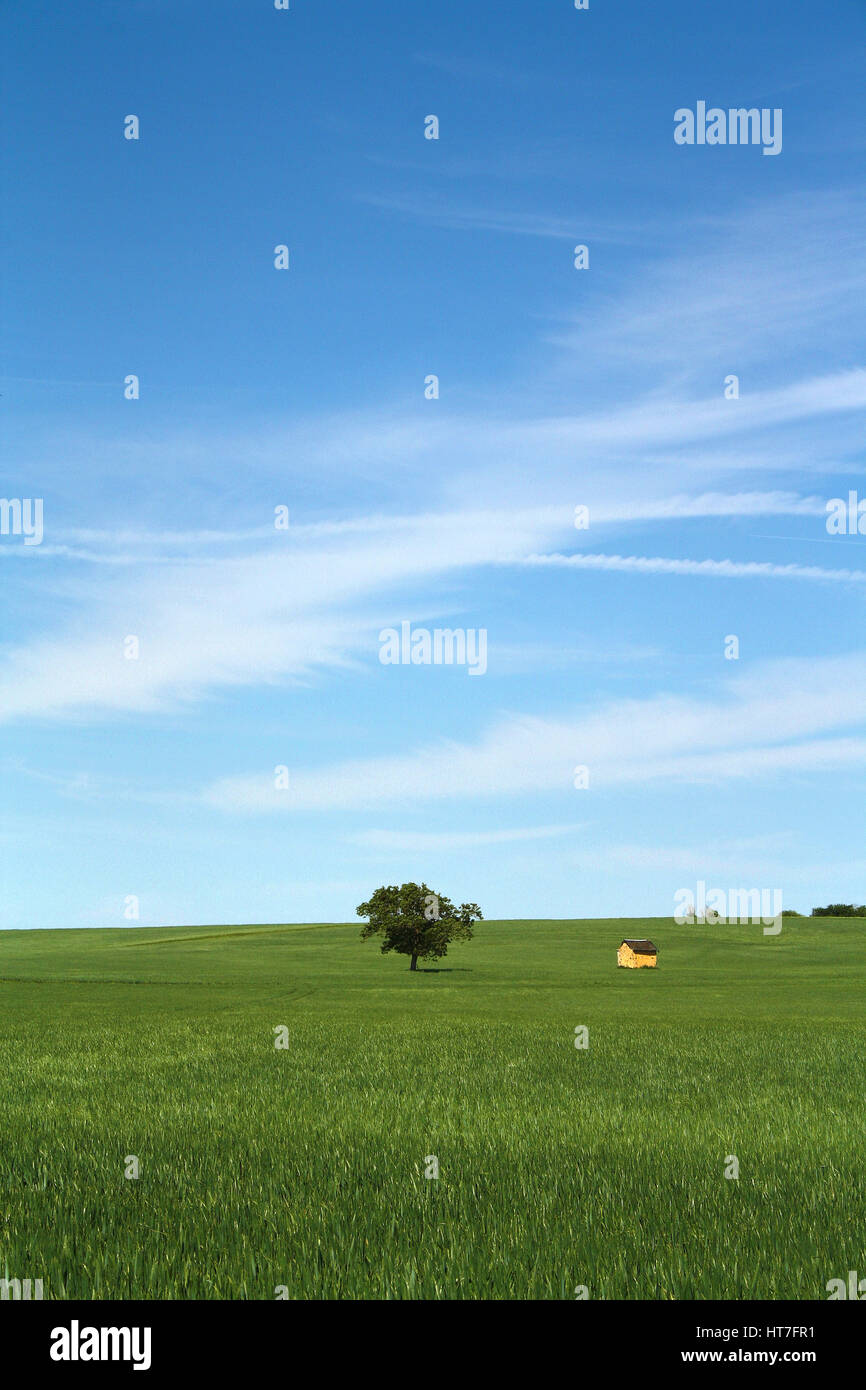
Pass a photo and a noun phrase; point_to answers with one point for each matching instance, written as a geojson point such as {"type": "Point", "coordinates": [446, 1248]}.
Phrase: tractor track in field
{"type": "Point", "coordinates": [91, 980]}
{"type": "Point", "coordinates": [230, 936]}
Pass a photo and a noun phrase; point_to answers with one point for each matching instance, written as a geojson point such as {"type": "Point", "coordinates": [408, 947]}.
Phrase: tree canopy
{"type": "Point", "coordinates": [839, 910]}
{"type": "Point", "coordinates": [416, 922]}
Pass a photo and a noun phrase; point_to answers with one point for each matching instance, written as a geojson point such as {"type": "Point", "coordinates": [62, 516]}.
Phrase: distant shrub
{"type": "Point", "coordinates": [839, 910]}
{"type": "Point", "coordinates": [792, 912]}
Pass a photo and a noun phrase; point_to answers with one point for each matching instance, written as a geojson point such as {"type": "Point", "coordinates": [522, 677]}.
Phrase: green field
{"type": "Point", "coordinates": [558, 1167]}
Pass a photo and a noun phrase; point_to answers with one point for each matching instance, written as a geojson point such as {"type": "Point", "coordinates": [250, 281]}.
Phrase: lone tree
{"type": "Point", "coordinates": [416, 922]}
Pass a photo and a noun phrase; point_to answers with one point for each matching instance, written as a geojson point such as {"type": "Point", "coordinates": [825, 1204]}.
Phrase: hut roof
{"type": "Point", "coordinates": [641, 947]}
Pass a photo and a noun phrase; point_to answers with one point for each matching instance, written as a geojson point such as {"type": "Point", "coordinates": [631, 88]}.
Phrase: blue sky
{"type": "Point", "coordinates": [304, 388]}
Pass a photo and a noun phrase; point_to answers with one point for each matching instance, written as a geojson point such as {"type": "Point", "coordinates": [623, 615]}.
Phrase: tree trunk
{"type": "Point", "coordinates": [414, 965]}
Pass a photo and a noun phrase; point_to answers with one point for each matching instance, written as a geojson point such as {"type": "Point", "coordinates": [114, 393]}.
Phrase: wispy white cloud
{"type": "Point", "coordinates": [714, 569]}
{"type": "Point", "coordinates": [274, 615]}
{"type": "Point", "coordinates": [432, 841]}
{"type": "Point", "coordinates": [773, 720]}
{"type": "Point", "coordinates": [466, 218]}
{"type": "Point", "coordinates": [731, 857]}
{"type": "Point", "coordinates": [710, 504]}
{"type": "Point", "coordinates": [127, 547]}
{"type": "Point", "coordinates": [785, 269]}
{"type": "Point", "coordinates": [658, 421]}
{"type": "Point", "coordinates": [724, 863]}
{"type": "Point", "coordinates": [281, 608]}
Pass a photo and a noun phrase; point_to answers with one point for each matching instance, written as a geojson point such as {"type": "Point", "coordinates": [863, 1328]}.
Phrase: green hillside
{"type": "Point", "coordinates": [304, 1167]}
